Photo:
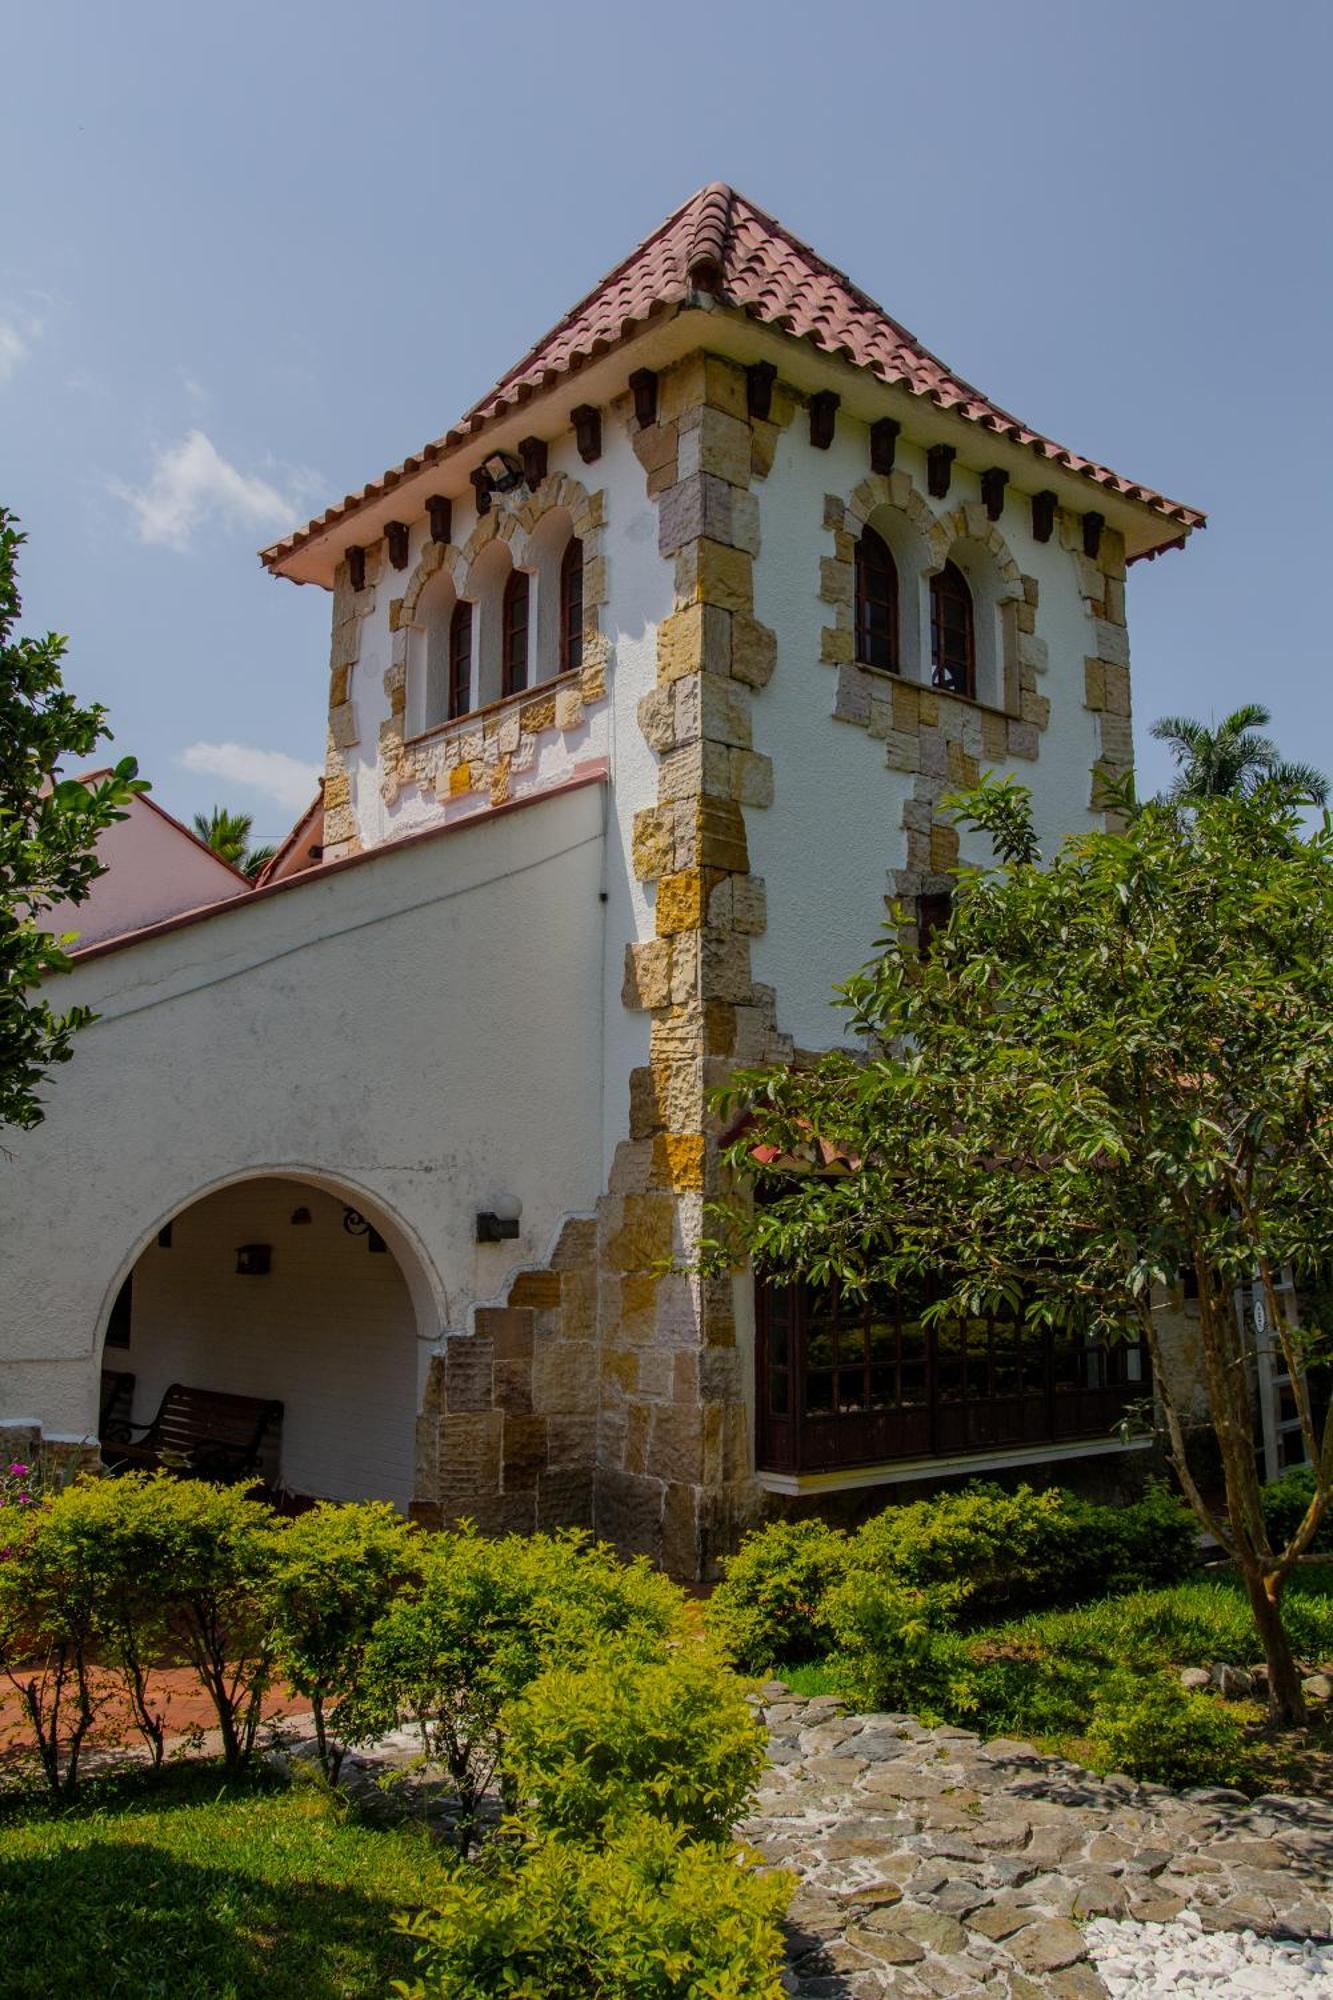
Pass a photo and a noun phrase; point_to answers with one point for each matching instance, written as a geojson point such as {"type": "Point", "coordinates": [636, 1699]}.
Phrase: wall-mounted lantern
{"type": "Point", "coordinates": [496, 1228]}
{"type": "Point", "coordinates": [504, 471]}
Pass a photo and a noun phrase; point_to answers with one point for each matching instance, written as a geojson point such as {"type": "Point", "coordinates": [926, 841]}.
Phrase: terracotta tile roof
{"type": "Point", "coordinates": [721, 244]}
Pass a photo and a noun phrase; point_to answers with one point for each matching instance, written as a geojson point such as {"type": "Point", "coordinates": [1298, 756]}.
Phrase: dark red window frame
{"type": "Point", "coordinates": [571, 606]}
{"type": "Point", "coordinates": [514, 633]}
{"type": "Point", "coordinates": [876, 603]}
{"type": "Point", "coordinates": [460, 659]}
{"type": "Point", "coordinates": [953, 632]}
{"type": "Point", "coordinates": [847, 1382]}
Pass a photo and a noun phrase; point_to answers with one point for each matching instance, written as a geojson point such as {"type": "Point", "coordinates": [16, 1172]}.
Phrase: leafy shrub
{"type": "Point", "coordinates": [651, 1915]}
{"type": "Point", "coordinates": [674, 1738]}
{"type": "Point", "coordinates": [770, 1603]}
{"type": "Point", "coordinates": [1152, 1729]}
{"type": "Point", "coordinates": [995, 1552]}
{"type": "Point", "coordinates": [490, 1616]}
{"type": "Point", "coordinates": [212, 1550]}
{"type": "Point", "coordinates": [48, 1630]}
{"type": "Point", "coordinates": [897, 1647]}
{"type": "Point", "coordinates": [1285, 1502]}
{"type": "Point", "coordinates": [335, 1572]}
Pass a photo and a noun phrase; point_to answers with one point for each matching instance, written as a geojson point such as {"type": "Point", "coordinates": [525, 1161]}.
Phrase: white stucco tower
{"type": "Point", "coordinates": [647, 683]}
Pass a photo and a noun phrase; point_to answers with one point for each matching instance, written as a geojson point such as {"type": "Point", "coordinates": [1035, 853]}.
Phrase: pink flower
{"type": "Point", "coordinates": [25, 1499]}
{"type": "Point", "coordinates": [18, 1471]}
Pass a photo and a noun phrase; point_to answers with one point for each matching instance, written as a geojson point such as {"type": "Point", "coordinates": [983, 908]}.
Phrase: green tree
{"type": "Point", "coordinates": [1233, 759]}
{"type": "Point", "coordinates": [228, 834]}
{"type": "Point", "coordinates": [48, 837]}
{"type": "Point", "coordinates": [1106, 1070]}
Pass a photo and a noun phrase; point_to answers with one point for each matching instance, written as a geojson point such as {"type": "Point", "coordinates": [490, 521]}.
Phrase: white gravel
{"type": "Point", "coordinates": [1145, 1960]}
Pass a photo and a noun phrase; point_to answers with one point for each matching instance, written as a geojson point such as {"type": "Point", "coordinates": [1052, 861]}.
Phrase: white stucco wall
{"type": "Point", "coordinates": [420, 1032]}
{"type": "Point", "coordinates": [330, 1332]}
{"type": "Point", "coordinates": [155, 869]}
{"type": "Point", "coordinates": [834, 832]}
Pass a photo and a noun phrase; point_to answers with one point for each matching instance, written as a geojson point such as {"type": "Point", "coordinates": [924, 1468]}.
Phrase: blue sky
{"type": "Point", "coordinates": [252, 255]}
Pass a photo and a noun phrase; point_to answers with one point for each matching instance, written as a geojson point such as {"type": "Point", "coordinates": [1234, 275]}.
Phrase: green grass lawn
{"type": "Point", "coordinates": [190, 1889]}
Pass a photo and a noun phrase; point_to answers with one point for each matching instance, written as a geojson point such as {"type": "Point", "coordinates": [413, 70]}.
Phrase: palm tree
{"type": "Point", "coordinates": [228, 834]}
{"type": "Point", "coordinates": [1233, 759]}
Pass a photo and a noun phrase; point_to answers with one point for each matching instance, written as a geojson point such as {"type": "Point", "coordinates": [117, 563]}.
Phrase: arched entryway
{"type": "Point", "coordinates": [279, 1289]}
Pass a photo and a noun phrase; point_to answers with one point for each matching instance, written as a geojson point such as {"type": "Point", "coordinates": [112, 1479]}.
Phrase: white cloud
{"type": "Point", "coordinates": [18, 331]}
{"type": "Point", "coordinates": [192, 480]}
{"type": "Point", "coordinates": [272, 772]}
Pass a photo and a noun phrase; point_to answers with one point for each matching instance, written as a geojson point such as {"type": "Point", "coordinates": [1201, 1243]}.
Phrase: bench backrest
{"type": "Point", "coordinates": [189, 1417]}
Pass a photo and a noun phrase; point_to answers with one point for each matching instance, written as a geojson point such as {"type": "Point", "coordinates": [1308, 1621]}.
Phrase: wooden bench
{"type": "Point", "coordinates": [200, 1433]}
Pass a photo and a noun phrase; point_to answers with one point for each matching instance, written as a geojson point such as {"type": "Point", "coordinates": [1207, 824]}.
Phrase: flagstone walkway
{"type": "Point", "coordinates": [930, 1862]}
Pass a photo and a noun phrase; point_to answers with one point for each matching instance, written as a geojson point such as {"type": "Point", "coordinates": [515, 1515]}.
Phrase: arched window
{"type": "Point", "coordinates": [953, 639]}
{"type": "Point", "coordinates": [514, 634]}
{"type": "Point", "coordinates": [876, 603]}
{"type": "Point", "coordinates": [571, 606]}
{"type": "Point", "coordinates": [460, 659]}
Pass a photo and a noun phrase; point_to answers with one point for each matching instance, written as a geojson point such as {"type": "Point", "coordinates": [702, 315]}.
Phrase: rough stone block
{"type": "Point", "coordinates": [468, 1383]}
{"type": "Point", "coordinates": [1024, 740]}
{"type": "Point", "coordinates": [724, 969]}
{"type": "Point", "coordinates": [719, 832]}
{"type": "Point", "coordinates": [709, 572]}
{"type": "Point", "coordinates": [679, 1160]}
{"type": "Point", "coordinates": [754, 651]}
{"type": "Point", "coordinates": [513, 1386]}
{"type": "Point", "coordinates": [1116, 679]}
{"type": "Point", "coordinates": [647, 973]}
{"type": "Point", "coordinates": [718, 444]}
{"type": "Point", "coordinates": [681, 901]}
{"type": "Point", "coordinates": [835, 580]}
{"type": "Point", "coordinates": [524, 1452]}
{"type": "Point", "coordinates": [675, 1445]}
{"type": "Point", "coordinates": [562, 1382]}
{"type": "Point", "coordinates": [751, 778]}
{"type": "Point", "coordinates": [506, 1330]}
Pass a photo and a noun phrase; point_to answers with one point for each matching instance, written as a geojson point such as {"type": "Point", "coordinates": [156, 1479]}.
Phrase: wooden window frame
{"type": "Point", "coordinates": [571, 606]}
{"type": "Point", "coordinates": [877, 590]}
{"type": "Point", "coordinates": [884, 1387]}
{"type": "Point", "coordinates": [957, 674]}
{"type": "Point", "coordinates": [460, 659]}
{"type": "Point", "coordinates": [515, 632]}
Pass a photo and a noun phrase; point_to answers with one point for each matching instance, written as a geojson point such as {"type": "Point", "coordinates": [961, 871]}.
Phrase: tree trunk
{"type": "Point", "coordinates": [1286, 1700]}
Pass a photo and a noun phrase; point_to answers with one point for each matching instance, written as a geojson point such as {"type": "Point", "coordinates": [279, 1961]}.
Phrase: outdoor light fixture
{"type": "Point", "coordinates": [299, 1216]}
{"type": "Point", "coordinates": [254, 1260]}
{"type": "Point", "coordinates": [496, 1228]}
{"type": "Point", "coordinates": [504, 471]}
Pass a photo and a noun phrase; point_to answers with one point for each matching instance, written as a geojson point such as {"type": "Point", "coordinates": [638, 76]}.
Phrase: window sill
{"type": "Point", "coordinates": [540, 691]}
{"type": "Point", "coordinates": [897, 1472]}
{"type": "Point", "coordinates": [890, 679]}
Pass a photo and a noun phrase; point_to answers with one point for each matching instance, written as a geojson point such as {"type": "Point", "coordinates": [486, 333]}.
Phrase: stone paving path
{"type": "Point", "coordinates": [930, 1862]}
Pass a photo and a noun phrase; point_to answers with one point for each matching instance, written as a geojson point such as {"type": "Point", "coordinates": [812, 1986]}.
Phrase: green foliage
{"type": "Point", "coordinates": [489, 1616]}
{"type": "Point", "coordinates": [1113, 1065]}
{"type": "Point", "coordinates": [1233, 759]}
{"type": "Point", "coordinates": [769, 1604]}
{"type": "Point", "coordinates": [974, 1552]}
{"type": "Point", "coordinates": [228, 834]}
{"type": "Point", "coordinates": [212, 1550]}
{"type": "Point", "coordinates": [589, 1748]}
{"type": "Point", "coordinates": [48, 834]}
{"type": "Point", "coordinates": [1285, 1502]}
{"type": "Point", "coordinates": [1050, 1674]}
{"type": "Point", "coordinates": [1153, 1730]}
{"type": "Point", "coordinates": [49, 1601]}
{"type": "Point", "coordinates": [335, 1572]}
{"type": "Point", "coordinates": [651, 1916]}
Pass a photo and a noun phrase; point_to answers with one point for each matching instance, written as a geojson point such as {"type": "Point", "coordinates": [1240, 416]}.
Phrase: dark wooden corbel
{"type": "Point", "coordinates": [993, 482]}
{"type": "Point", "coordinates": [356, 567]}
{"type": "Point", "coordinates": [1092, 534]}
{"type": "Point", "coordinates": [883, 444]}
{"type": "Point", "coordinates": [587, 422]}
{"type": "Point", "coordinates": [759, 379]}
{"type": "Point", "coordinates": [395, 534]}
{"type": "Point", "coordinates": [534, 453]}
{"type": "Point", "coordinates": [440, 514]}
{"type": "Point", "coordinates": [939, 469]}
{"type": "Point", "coordinates": [643, 388]}
{"type": "Point", "coordinates": [1043, 515]}
{"type": "Point", "coordinates": [481, 486]}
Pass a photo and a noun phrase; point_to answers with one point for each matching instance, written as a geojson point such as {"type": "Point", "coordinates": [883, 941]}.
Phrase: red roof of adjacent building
{"type": "Point", "coordinates": [721, 244]}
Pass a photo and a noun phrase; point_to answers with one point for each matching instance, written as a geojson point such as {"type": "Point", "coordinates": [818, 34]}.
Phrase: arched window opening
{"type": "Point", "coordinates": [460, 659]}
{"type": "Point", "coordinates": [571, 606]}
{"type": "Point", "coordinates": [876, 604]}
{"type": "Point", "coordinates": [514, 634]}
{"type": "Point", "coordinates": [953, 639]}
